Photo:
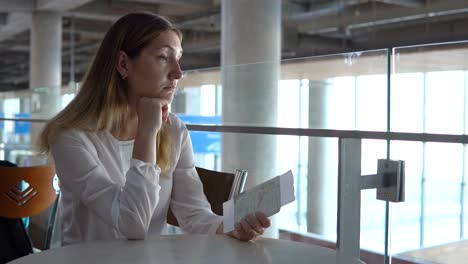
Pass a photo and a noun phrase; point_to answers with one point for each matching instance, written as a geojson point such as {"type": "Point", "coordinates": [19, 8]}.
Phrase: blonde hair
{"type": "Point", "coordinates": [101, 103]}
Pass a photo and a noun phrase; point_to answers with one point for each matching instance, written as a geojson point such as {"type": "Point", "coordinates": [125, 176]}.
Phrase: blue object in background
{"type": "Point", "coordinates": [205, 120]}
{"type": "Point", "coordinates": [204, 142]}
{"type": "Point", "coordinates": [22, 128]}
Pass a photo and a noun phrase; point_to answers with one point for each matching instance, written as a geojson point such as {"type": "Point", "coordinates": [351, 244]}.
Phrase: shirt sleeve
{"type": "Point", "coordinates": [188, 202]}
{"type": "Point", "coordinates": [128, 208]}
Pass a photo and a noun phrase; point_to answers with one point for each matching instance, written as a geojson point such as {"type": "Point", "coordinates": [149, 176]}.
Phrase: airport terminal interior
{"type": "Point", "coordinates": [278, 85]}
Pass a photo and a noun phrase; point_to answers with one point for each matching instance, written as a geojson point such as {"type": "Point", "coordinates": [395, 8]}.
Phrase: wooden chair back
{"type": "Point", "coordinates": [218, 188]}
{"type": "Point", "coordinates": [38, 195]}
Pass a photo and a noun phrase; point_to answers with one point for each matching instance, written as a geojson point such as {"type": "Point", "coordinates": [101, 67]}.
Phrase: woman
{"type": "Point", "coordinates": [121, 157]}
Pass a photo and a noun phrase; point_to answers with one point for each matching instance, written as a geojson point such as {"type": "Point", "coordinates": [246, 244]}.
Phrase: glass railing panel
{"type": "Point", "coordinates": [428, 86]}
{"type": "Point", "coordinates": [344, 91]}
{"type": "Point", "coordinates": [407, 106]}
{"type": "Point", "coordinates": [443, 180]}
{"type": "Point", "coordinates": [429, 95]}
{"type": "Point", "coordinates": [314, 162]}
{"type": "Point", "coordinates": [432, 215]}
{"type": "Point", "coordinates": [373, 212]}
{"type": "Point", "coordinates": [291, 154]}
{"type": "Point", "coordinates": [406, 216]}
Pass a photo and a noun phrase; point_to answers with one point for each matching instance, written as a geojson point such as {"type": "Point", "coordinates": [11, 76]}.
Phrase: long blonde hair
{"type": "Point", "coordinates": [101, 103]}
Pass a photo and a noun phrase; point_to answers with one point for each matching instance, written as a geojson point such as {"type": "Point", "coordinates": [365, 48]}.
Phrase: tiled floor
{"type": "Point", "coordinates": [452, 253]}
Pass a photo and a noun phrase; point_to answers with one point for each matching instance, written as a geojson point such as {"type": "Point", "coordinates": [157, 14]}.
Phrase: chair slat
{"type": "Point", "coordinates": [39, 195]}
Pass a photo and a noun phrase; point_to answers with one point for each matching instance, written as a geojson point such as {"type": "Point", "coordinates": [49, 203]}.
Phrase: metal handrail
{"type": "Point", "coordinates": [312, 132]}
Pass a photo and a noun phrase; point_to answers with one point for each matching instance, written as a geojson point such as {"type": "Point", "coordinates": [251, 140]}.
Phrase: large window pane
{"type": "Point", "coordinates": [406, 221]}
{"type": "Point", "coordinates": [445, 102]}
{"type": "Point", "coordinates": [407, 102]}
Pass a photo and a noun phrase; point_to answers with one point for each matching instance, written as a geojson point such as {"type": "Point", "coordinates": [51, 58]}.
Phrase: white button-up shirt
{"type": "Point", "coordinates": [107, 194]}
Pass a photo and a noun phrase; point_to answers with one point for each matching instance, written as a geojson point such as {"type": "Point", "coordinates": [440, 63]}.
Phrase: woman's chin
{"type": "Point", "coordinates": [168, 97]}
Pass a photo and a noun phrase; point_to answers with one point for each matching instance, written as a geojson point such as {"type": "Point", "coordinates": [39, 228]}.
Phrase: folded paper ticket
{"type": "Point", "coordinates": [267, 197]}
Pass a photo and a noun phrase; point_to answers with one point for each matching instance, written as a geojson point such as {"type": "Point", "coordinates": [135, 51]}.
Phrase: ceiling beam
{"type": "Point", "coordinates": [193, 61]}
{"type": "Point", "coordinates": [177, 2]}
{"type": "Point", "coordinates": [210, 20]}
{"type": "Point", "coordinates": [305, 46]}
{"type": "Point", "coordinates": [79, 68]}
{"type": "Point", "coordinates": [92, 48]}
{"type": "Point", "coordinates": [86, 29]}
{"type": "Point", "coordinates": [13, 59]}
{"type": "Point", "coordinates": [349, 20]}
{"type": "Point", "coordinates": [414, 35]}
{"type": "Point", "coordinates": [16, 23]}
{"type": "Point", "coordinates": [15, 47]}
{"type": "Point", "coordinates": [206, 22]}
{"type": "Point", "coordinates": [166, 8]}
{"type": "Point", "coordinates": [290, 7]}
{"type": "Point", "coordinates": [60, 5]}
{"type": "Point", "coordinates": [86, 34]}
{"type": "Point", "coordinates": [17, 6]}
{"type": "Point", "coordinates": [106, 11]}
{"type": "Point", "coordinates": [406, 3]}
{"type": "Point", "coordinates": [201, 42]}
{"type": "Point", "coordinates": [20, 22]}
{"type": "Point", "coordinates": [92, 16]}
{"type": "Point", "coordinates": [116, 7]}
{"type": "Point", "coordinates": [330, 8]}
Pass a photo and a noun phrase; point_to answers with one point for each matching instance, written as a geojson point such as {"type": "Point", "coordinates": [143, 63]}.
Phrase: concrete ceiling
{"type": "Point", "coordinates": [310, 27]}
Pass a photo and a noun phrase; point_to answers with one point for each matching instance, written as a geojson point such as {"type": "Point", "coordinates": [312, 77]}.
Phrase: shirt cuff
{"type": "Point", "coordinates": [149, 171]}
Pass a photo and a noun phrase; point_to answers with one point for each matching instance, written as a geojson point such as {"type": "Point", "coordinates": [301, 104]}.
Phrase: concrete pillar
{"type": "Point", "coordinates": [46, 50]}
{"type": "Point", "coordinates": [317, 169]}
{"type": "Point", "coordinates": [250, 65]}
{"type": "Point", "coordinates": [45, 82]}
{"type": "Point", "coordinates": [45, 66]}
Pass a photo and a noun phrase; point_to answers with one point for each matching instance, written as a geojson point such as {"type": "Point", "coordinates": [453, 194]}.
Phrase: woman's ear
{"type": "Point", "coordinates": [122, 64]}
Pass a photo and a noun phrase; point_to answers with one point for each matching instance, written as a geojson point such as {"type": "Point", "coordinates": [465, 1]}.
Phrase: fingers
{"type": "Point", "coordinates": [165, 110]}
{"type": "Point", "coordinates": [263, 219]}
{"type": "Point", "coordinates": [251, 226]}
{"type": "Point", "coordinates": [244, 232]}
{"type": "Point", "coordinates": [153, 112]}
{"type": "Point", "coordinates": [255, 224]}
{"type": "Point", "coordinates": [248, 230]}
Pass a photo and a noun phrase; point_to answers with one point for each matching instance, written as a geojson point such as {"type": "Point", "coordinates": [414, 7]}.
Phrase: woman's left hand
{"type": "Point", "coordinates": [250, 226]}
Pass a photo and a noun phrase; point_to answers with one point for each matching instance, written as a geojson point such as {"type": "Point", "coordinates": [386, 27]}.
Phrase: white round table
{"type": "Point", "coordinates": [188, 249]}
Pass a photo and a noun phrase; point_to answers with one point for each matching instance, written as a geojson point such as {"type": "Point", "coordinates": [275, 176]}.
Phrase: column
{"type": "Point", "coordinates": [317, 168]}
{"type": "Point", "coordinates": [45, 67]}
{"type": "Point", "coordinates": [45, 83]}
{"type": "Point", "coordinates": [250, 65]}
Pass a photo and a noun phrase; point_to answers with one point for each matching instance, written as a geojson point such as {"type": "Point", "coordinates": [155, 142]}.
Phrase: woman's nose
{"type": "Point", "coordinates": [176, 73]}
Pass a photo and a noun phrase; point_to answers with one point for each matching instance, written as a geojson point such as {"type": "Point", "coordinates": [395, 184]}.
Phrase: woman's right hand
{"type": "Point", "coordinates": [151, 113]}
